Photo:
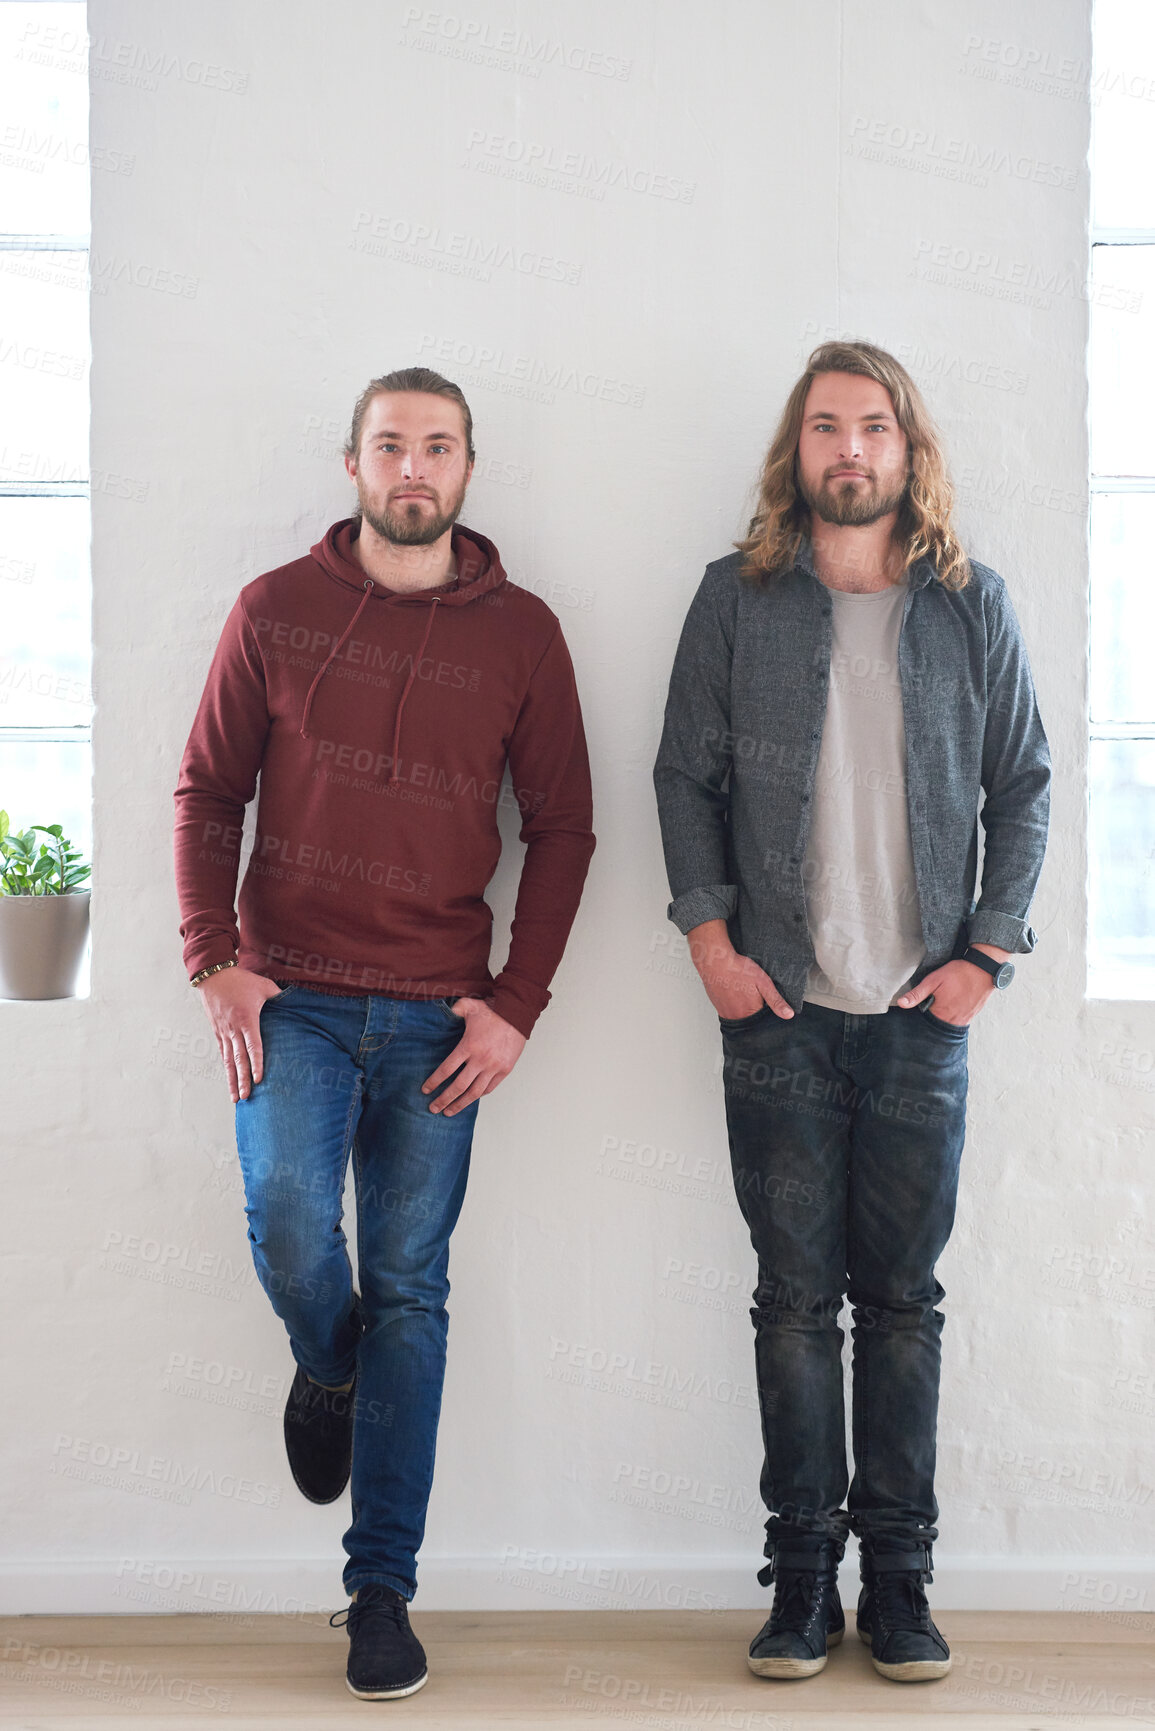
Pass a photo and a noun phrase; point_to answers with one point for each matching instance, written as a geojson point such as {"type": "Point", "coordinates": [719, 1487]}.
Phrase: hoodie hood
{"type": "Point", "coordinates": [479, 567]}
{"type": "Point", "coordinates": [479, 572]}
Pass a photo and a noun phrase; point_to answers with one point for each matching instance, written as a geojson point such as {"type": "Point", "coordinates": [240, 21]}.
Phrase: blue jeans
{"type": "Point", "coordinates": [846, 1134]}
{"type": "Point", "coordinates": [343, 1075]}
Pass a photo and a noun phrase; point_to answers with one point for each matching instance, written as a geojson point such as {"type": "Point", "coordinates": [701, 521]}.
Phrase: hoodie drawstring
{"type": "Point", "coordinates": [336, 649]}
{"type": "Point", "coordinates": [393, 775]}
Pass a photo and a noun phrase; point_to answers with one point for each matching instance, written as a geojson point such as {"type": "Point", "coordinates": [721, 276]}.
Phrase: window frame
{"type": "Point", "coordinates": [1114, 982]}
{"type": "Point", "coordinates": [51, 734]}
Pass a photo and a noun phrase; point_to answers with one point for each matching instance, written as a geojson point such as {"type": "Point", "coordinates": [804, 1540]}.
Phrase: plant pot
{"type": "Point", "coordinates": [41, 943]}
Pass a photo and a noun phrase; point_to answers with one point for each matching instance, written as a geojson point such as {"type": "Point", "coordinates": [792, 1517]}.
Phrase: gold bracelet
{"type": "Point", "coordinates": [215, 969]}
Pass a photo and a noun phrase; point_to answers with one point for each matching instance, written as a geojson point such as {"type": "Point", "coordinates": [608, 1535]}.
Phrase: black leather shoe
{"type": "Point", "coordinates": [806, 1618]}
{"type": "Point", "coordinates": [894, 1617]}
{"type": "Point", "coordinates": [319, 1438]}
{"type": "Point", "coordinates": [385, 1656]}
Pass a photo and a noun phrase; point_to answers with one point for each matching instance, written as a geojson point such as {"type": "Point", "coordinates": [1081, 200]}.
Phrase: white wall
{"type": "Point", "coordinates": [225, 404]}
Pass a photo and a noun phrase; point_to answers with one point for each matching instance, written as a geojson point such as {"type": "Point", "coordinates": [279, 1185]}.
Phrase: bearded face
{"type": "Point", "coordinates": [845, 501]}
{"type": "Point", "coordinates": [853, 462]}
{"type": "Point", "coordinates": [409, 516]}
{"type": "Point", "coordinates": [412, 467]}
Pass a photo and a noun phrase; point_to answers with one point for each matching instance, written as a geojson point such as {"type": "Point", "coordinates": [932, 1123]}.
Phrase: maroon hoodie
{"type": "Point", "coordinates": [380, 724]}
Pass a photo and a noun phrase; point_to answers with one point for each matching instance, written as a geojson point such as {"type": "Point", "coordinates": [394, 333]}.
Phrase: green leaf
{"type": "Point", "coordinates": [29, 868]}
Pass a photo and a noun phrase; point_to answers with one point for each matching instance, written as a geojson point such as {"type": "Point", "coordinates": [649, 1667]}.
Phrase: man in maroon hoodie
{"type": "Point", "coordinates": [379, 688]}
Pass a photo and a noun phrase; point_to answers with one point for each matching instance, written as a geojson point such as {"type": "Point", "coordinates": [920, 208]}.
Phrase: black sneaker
{"type": "Point", "coordinates": [319, 1438]}
{"type": "Point", "coordinates": [894, 1617]}
{"type": "Point", "coordinates": [385, 1656]}
{"type": "Point", "coordinates": [806, 1618]}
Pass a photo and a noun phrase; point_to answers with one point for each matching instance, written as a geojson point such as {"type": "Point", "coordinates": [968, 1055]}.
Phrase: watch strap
{"type": "Point", "coordinates": [985, 962]}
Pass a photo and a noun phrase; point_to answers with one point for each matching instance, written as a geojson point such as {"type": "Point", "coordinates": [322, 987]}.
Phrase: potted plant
{"type": "Point", "coordinates": [43, 912]}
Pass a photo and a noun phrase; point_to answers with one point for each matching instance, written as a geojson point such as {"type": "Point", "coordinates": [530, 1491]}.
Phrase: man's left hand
{"type": "Point", "coordinates": [959, 989]}
{"type": "Point", "coordinates": [486, 1053]}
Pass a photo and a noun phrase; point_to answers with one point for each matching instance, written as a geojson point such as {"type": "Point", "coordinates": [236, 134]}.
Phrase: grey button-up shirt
{"type": "Point", "coordinates": [736, 766]}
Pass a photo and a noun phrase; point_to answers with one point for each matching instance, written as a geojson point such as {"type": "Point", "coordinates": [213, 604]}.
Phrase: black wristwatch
{"type": "Point", "coordinates": [1001, 973]}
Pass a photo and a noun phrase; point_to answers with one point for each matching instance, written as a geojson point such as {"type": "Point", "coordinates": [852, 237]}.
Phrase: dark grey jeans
{"type": "Point", "coordinates": [846, 1134]}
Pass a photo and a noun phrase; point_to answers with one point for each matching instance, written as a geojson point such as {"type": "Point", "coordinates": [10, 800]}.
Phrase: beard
{"type": "Point", "coordinates": [409, 524]}
{"type": "Point", "coordinates": [849, 507]}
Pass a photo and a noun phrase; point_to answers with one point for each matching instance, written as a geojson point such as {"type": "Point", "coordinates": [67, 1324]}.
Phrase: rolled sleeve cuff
{"type": "Point", "coordinates": [711, 902]}
{"type": "Point", "coordinates": [207, 955]}
{"type": "Point", "coordinates": [517, 1001]}
{"type": "Point", "coordinates": [1004, 931]}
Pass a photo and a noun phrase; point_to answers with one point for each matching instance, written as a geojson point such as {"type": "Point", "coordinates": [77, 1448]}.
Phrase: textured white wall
{"type": "Point", "coordinates": [876, 170]}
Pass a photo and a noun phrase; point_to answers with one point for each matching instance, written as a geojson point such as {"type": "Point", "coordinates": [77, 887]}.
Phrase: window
{"type": "Point", "coordinates": [45, 588]}
{"type": "Point", "coordinates": [1121, 837]}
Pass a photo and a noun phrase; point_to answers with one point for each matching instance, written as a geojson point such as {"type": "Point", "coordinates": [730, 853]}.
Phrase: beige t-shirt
{"type": "Point", "coordinates": [861, 898]}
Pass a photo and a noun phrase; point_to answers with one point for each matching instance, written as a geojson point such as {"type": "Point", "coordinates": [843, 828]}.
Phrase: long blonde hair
{"type": "Point", "coordinates": [782, 517]}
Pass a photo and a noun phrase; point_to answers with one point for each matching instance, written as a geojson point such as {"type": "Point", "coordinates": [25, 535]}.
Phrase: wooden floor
{"type": "Point", "coordinates": [680, 1670]}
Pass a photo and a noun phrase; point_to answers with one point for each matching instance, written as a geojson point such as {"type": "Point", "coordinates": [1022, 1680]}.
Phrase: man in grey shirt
{"type": "Point", "coordinates": [847, 687]}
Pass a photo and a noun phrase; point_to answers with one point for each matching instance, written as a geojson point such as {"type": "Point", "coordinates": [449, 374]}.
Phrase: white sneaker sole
{"type": "Point", "coordinates": [788, 1668]}
{"type": "Point", "coordinates": [914, 1671]}
{"type": "Point", "coordinates": [387, 1694]}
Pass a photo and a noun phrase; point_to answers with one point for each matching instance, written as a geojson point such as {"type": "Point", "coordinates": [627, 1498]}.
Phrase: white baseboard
{"type": "Point", "coordinates": [540, 1581]}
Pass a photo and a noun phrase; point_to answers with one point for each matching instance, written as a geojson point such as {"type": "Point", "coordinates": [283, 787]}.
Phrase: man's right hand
{"type": "Point", "coordinates": [232, 1001]}
{"type": "Point", "coordinates": [735, 985]}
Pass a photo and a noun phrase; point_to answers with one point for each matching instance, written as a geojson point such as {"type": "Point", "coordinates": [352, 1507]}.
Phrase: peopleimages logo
{"type": "Point", "coordinates": [926, 363]}
{"type": "Point", "coordinates": [1024, 281]}
{"type": "Point", "coordinates": [49, 44]}
{"type": "Point", "coordinates": [179, 1584]}
{"type": "Point", "coordinates": [522, 1566]}
{"type": "Point", "coordinates": [275, 635]}
{"type": "Point", "coordinates": [1026, 66]}
{"type": "Point", "coordinates": [33, 150]}
{"type": "Point", "coordinates": [507, 50]}
{"type": "Point", "coordinates": [272, 853]}
{"type": "Point", "coordinates": [30, 358]}
{"type": "Point", "coordinates": [616, 1372]}
{"type": "Point", "coordinates": [495, 369]}
{"type": "Point", "coordinates": [424, 243]}
{"type": "Point", "coordinates": [547, 164]}
{"type": "Point", "coordinates": [121, 1467]}
{"type": "Point", "coordinates": [929, 152]}
{"type": "Point", "coordinates": [624, 1698]}
{"type": "Point", "coordinates": [72, 1671]}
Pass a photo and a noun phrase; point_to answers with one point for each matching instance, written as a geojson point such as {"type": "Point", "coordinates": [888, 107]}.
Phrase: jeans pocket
{"type": "Point", "coordinates": [293, 986]}
{"type": "Point", "coordinates": [957, 1029]}
{"type": "Point", "coordinates": [737, 1024]}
